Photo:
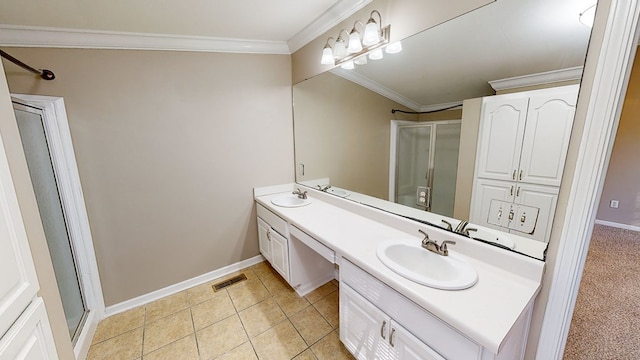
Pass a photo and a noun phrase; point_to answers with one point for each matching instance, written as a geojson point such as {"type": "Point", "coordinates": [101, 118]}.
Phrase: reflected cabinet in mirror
{"type": "Point", "coordinates": [483, 110]}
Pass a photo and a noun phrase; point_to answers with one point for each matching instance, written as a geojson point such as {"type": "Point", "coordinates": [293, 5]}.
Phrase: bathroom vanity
{"type": "Point", "coordinates": [385, 313]}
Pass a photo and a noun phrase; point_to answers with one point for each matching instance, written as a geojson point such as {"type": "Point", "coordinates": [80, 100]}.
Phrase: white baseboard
{"type": "Point", "coordinates": [618, 225]}
{"type": "Point", "coordinates": [81, 347]}
{"type": "Point", "coordinates": [175, 288]}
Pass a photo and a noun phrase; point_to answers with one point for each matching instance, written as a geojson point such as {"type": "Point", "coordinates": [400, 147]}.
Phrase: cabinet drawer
{"type": "Point", "coordinates": [418, 321]}
{"type": "Point", "coordinates": [314, 244]}
{"type": "Point", "coordinates": [277, 223]}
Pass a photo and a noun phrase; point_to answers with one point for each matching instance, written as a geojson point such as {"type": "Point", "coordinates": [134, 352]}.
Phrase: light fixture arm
{"type": "Point", "coordinates": [372, 20]}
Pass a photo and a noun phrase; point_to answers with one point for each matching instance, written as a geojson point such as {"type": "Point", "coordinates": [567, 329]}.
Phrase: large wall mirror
{"type": "Point", "coordinates": [424, 166]}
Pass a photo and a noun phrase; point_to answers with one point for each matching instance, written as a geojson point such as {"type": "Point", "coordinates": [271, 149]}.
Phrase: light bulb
{"type": "Point", "coordinates": [376, 54]}
{"type": "Point", "coordinates": [354, 42]}
{"type": "Point", "coordinates": [362, 60]}
{"type": "Point", "coordinates": [348, 65]}
{"type": "Point", "coordinates": [393, 48]}
{"type": "Point", "coordinates": [327, 56]}
{"type": "Point", "coordinates": [371, 35]}
{"type": "Point", "coordinates": [341, 49]}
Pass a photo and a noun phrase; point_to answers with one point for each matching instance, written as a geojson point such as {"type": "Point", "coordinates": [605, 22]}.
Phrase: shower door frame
{"type": "Point", "coordinates": [393, 150]}
{"type": "Point", "coordinates": [56, 128]}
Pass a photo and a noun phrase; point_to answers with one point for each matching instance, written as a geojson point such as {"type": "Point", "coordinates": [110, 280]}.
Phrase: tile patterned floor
{"type": "Point", "coordinates": [259, 318]}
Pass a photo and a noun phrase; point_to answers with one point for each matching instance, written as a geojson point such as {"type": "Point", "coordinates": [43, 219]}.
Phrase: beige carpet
{"type": "Point", "coordinates": [606, 321]}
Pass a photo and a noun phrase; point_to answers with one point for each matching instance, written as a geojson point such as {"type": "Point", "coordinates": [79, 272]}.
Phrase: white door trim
{"type": "Point", "coordinates": [66, 169]}
{"type": "Point", "coordinates": [606, 98]}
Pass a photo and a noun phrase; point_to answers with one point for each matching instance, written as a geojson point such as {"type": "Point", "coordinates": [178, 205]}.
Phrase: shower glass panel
{"type": "Point", "coordinates": [413, 153]}
{"type": "Point", "coordinates": [445, 168]}
{"type": "Point", "coordinates": [51, 209]}
{"type": "Point", "coordinates": [427, 162]}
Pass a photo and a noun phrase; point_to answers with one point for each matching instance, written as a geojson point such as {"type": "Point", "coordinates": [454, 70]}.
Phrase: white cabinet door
{"type": "Point", "coordinates": [546, 136]}
{"type": "Point", "coordinates": [263, 239]}
{"type": "Point", "coordinates": [545, 199]}
{"type": "Point", "coordinates": [364, 329]}
{"type": "Point", "coordinates": [18, 280]}
{"type": "Point", "coordinates": [501, 131]}
{"type": "Point", "coordinates": [279, 253]}
{"type": "Point", "coordinates": [405, 346]}
{"type": "Point", "coordinates": [30, 338]}
{"type": "Point", "coordinates": [484, 191]}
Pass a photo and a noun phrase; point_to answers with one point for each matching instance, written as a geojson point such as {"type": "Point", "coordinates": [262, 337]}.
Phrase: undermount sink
{"type": "Point", "coordinates": [290, 201]}
{"type": "Point", "coordinates": [425, 267]}
{"type": "Point", "coordinates": [338, 192]}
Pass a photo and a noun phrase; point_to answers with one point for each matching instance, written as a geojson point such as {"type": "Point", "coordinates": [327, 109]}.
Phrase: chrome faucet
{"type": "Point", "coordinates": [301, 195]}
{"type": "Point", "coordinates": [324, 188]}
{"type": "Point", "coordinates": [449, 227]}
{"type": "Point", "coordinates": [461, 227]}
{"type": "Point", "coordinates": [433, 245]}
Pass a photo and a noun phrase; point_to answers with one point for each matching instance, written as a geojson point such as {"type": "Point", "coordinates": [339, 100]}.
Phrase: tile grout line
{"type": "Point", "coordinates": [193, 326]}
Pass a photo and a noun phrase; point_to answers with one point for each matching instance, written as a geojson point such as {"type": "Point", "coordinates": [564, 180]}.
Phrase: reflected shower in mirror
{"type": "Point", "coordinates": [423, 166]}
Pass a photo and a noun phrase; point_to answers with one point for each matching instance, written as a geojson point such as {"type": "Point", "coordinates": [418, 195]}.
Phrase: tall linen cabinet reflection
{"type": "Point", "coordinates": [522, 148]}
{"type": "Point", "coordinates": [25, 332]}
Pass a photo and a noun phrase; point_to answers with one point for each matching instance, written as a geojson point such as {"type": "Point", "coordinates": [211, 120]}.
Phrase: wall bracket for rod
{"type": "Point", "coordinates": [44, 73]}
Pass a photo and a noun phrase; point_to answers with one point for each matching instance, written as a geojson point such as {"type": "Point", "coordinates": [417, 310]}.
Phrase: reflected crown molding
{"type": "Point", "coordinates": [569, 74]}
{"type": "Point", "coordinates": [55, 37]}
{"type": "Point", "coordinates": [377, 88]}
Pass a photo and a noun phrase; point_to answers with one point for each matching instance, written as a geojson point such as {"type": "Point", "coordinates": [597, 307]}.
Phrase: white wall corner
{"type": "Point", "coordinates": [337, 13]}
{"type": "Point", "coordinates": [34, 36]}
{"type": "Point", "coordinates": [569, 74]}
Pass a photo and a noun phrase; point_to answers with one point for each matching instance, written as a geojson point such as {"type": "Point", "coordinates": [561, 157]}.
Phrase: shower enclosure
{"type": "Point", "coordinates": [46, 139]}
{"type": "Point", "coordinates": [426, 162]}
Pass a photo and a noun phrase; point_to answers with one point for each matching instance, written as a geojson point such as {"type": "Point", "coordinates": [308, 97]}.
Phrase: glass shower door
{"type": "Point", "coordinates": [445, 168]}
{"type": "Point", "coordinates": [412, 163]}
{"type": "Point", "coordinates": [427, 162]}
{"type": "Point", "coordinates": [52, 213]}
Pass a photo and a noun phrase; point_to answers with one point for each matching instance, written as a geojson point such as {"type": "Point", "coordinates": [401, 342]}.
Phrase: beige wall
{"type": "Point", "coordinates": [623, 176]}
{"type": "Point", "coordinates": [355, 122]}
{"type": "Point", "coordinates": [31, 217]}
{"type": "Point", "coordinates": [169, 146]}
{"type": "Point", "coordinates": [407, 17]}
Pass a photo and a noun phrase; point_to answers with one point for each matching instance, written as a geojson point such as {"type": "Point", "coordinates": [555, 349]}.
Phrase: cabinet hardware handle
{"type": "Point", "coordinates": [384, 325]}
{"type": "Point", "coordinates": [513, 176]}
{"type": "Point", "coordinates": [269, 234]}
{"type": "Point", "coordinates": [518, 192]}
{"type": "Point", "coordinates": [511, 214]}
{"type": "Point", "coordinates": [511, 190]}
{"type": "Point", "coordinates": [520, 174]}
{"type": "Point", "coordinates": [393, 330]}
{"type": "Point", "coordinates": [523, 219]}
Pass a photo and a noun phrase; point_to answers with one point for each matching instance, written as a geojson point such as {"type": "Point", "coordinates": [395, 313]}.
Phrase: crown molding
{"type": "Point", "coordinates": [32, 36]}
{"type": "Point", "coordinates": [337, 13]}
{"type": "Point", "coordinates": [569, 74]}
{"type": "Point", "coordinates": [376, 87]}
{"type": "Point", "coordinates": [438, 107]}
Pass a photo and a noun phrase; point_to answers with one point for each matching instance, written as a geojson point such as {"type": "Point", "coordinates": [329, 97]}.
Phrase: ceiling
{"type": "Point", "coordinates": [278, 21]}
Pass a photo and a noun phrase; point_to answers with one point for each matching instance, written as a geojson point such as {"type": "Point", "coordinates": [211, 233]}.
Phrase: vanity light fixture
{"type": "Point", "coordinates": [372, 30]}
{"type": "Point", "coordinates": [588, 16]}
{"type": "Point", "coordinates": [353, 47]}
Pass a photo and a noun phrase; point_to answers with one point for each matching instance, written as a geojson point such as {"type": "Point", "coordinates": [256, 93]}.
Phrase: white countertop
{"type": "Point", "coordinates": [485, 312]}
